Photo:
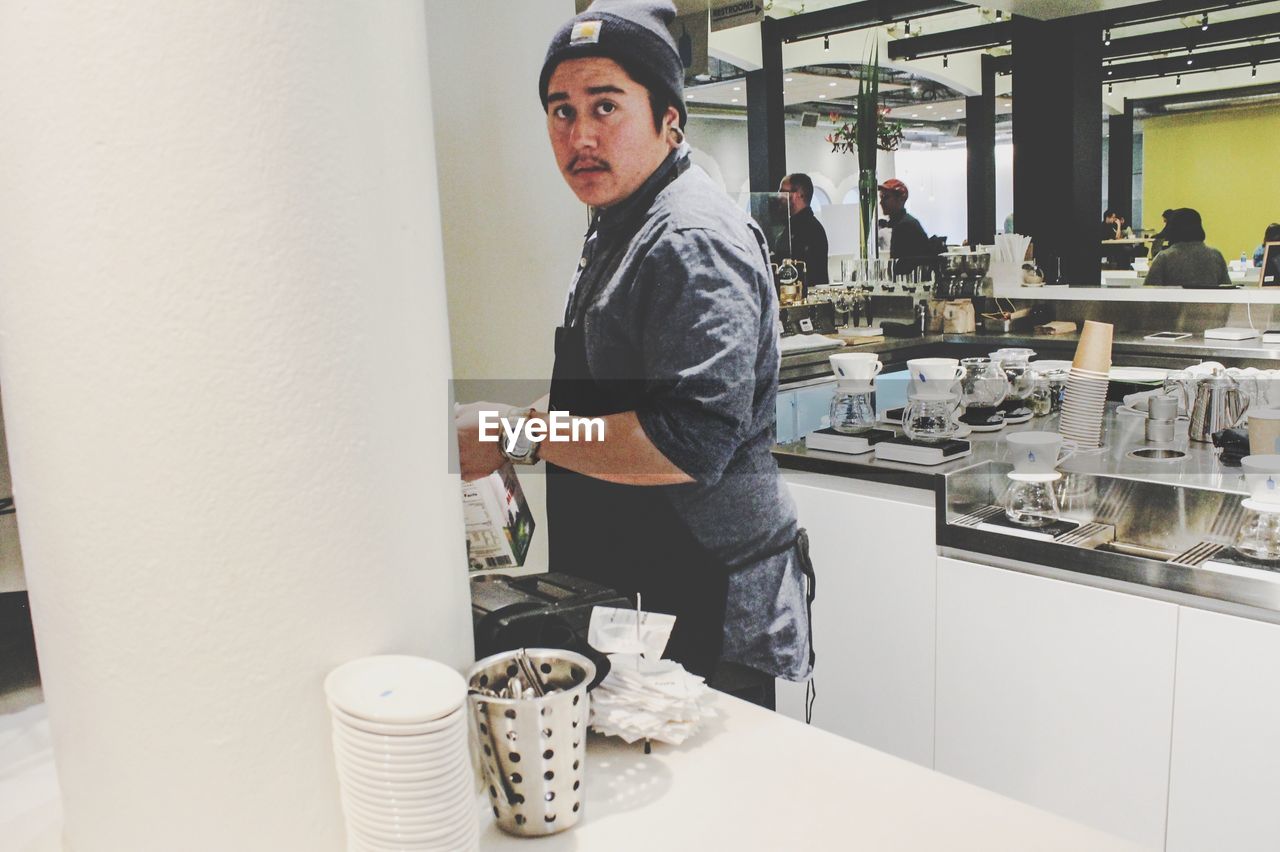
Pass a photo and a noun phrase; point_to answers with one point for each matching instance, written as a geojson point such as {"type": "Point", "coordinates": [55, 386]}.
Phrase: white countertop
{"type": "Point", "coordinates": [752, 780]}
{"type": "Point", "coordinates": [757, 780]}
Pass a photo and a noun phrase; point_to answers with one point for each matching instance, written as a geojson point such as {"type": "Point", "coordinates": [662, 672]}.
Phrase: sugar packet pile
{"type": "Point", "coordinates": [643, 696]}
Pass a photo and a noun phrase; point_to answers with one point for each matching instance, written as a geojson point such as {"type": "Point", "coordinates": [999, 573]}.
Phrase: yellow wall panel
{"type": "Point", "coordinates": [1224, 163]}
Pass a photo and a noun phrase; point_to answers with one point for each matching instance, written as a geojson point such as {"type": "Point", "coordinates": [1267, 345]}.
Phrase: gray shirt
{"type": "Point", "coordinates": [676, 295]}
{"type": "Point", "coordinates": [1189, 264]}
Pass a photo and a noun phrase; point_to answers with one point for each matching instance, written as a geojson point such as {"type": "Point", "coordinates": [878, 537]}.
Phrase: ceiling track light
{"type": "Point", "coordinates": [1178, 82]}
{"type": "Point", "coordinates": [945, 60]}
{"type": "Point", "coordinates": [906, 27]}
{"type": "Point", "coordinates": [1106, 38]}
{"type": "Point", "coordinates": [1111, 87]}
{"type": "Point", "coordinates": [826, 42]}
{"type": "Point", "coordinates": [1254, 71]}
{"type": "Point", "coordinates": [999, 15]}
{"type": "Point", "coordinates": [1204, 21]}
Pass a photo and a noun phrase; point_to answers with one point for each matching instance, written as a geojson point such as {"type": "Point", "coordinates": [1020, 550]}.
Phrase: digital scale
{"type": "Point", "coordinates": [1045, 532]}
{"type": "Point", "coordinates": [838, 442]}
{"type": "Point", "coordinates": [900, 448]}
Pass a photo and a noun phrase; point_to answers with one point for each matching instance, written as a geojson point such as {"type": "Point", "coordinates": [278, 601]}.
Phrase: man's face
{"type": "Point", "coordinates": [601, 128]}
{"type": "Point", "coordinates": [891, 202]}
{"type": "Point", "coordinates": [795, 198]}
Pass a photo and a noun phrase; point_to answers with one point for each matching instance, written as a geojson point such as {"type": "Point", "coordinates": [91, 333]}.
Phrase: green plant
{"type": "Point", "coordinates": [869, 131]}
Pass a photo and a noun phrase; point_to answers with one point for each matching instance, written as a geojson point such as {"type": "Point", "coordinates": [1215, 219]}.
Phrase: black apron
{"type": "Point", "coordinates": [628, 537]}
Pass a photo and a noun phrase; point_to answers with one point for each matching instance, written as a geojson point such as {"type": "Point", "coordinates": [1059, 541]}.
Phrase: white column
{"type": "Point", "coordinates": [224, 355]}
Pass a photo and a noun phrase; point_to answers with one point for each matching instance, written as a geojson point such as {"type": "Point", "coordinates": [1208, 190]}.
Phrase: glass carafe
{"type": "Point", "coordinates": [1030, 500]}
{"type": "Point", "coordinates": [931, 419]}
{"type": "Point", "coordinates": [1014, 362]}
{"type": "Point", "coordinates": [853, 408]}
{"type": "Point", "coordinates": [983, 386]}
{"type": "Point", "coordinates": [1259, 536]}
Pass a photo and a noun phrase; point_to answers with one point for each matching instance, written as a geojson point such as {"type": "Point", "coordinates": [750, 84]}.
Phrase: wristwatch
{"type": "Point", "coordinates": [525, 450]}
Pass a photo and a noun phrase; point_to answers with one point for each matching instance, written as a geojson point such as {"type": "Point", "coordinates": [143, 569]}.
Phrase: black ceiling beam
{"type": "Point", "coordinates": [1183, 38]}
{"type": "Point", "coordinates": [996, 34]}
{"type": "Point", "coordinates": [1210, 61]}
{"type": "Point", "coordinates": [1161, 10]}
{"type": "Point", "coordinates": [852, 16]}
{"type": "Point", "coordinates": [954, 41]}
{"type": "Point", "coordinates": [1154, 103]}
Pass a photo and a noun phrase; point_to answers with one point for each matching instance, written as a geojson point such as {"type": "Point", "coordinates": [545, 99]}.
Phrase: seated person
{"type": "Point", "coordinates": [1157, 242]}
{"type": "Point", "coordinates": [1112, 225]}
{"type": "Point", "coordinates": [1271, 235]}
{"type": "Point", "coordinates": [1115, 257]}
{"type": "Point", "coordinates": [1187, 261]}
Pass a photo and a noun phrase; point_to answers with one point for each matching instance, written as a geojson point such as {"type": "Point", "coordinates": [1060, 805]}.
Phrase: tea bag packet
{"type": "Point", "coordinates": [629, 631]}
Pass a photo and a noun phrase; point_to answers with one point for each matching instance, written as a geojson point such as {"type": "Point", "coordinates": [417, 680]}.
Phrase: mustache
{"type": "Point", "coordinates": [583, 162]}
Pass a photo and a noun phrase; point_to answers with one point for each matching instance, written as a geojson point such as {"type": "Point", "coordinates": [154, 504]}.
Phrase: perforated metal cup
{"type": "Point", "coordinates": [533, 750]}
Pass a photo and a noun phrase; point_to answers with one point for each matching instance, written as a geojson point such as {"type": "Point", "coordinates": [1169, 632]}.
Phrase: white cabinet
{"type": "Point", "coordinates": [874, 555]}
{"type": "Point", "coordinates": [1225, 773]}
{"type": "Point", "coordinates": [1057, 694]}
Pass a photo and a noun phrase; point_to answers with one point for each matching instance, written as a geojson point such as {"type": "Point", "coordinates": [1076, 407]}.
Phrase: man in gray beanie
{"type": "Point", "coordinates": [669, 336]}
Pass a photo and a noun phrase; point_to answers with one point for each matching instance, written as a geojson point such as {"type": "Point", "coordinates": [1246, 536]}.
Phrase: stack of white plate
{"type": "Point", "coordinates": [404, 766]}
{"type": "Point", "coordinates": [1083, 405]}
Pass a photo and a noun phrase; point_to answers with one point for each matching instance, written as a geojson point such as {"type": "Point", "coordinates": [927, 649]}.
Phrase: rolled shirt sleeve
{"type": "Point", "coordinates": [700, 302]}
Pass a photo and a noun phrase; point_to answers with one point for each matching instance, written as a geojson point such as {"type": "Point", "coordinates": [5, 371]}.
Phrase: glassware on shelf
{"type": "Point", "coordinates": [1041, 397]}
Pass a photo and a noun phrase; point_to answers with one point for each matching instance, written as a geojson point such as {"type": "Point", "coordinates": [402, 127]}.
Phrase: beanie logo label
{"type": "Point", "coordinates": [585, 32]}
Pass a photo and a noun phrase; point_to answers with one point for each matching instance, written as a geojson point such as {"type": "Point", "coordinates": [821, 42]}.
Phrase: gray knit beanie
{"type": "Point", "coordinates": [631, 32]}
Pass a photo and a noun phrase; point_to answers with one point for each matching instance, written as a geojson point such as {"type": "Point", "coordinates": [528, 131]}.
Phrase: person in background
{"type": "Point", "coordinates": [902, 232]}
{"type": "Point", "coordinates": [1157, 242]}
{"type": "Point", "coordinates": [669, 337]}
{"type": "Point", "coordinates": [808, 237]}
{"type": "Point", "coordinates": [1115, 257]}
{"type": "Point", "coordinates": [1271, 235]}
{"type": "Point", "coordinates": [1112, 225]}
{"type": "Point", "coordinates": [1187, 262]}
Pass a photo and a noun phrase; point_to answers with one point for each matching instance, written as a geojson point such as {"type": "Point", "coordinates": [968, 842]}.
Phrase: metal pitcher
{"type": "Point", "coordinates": [1219, 404]}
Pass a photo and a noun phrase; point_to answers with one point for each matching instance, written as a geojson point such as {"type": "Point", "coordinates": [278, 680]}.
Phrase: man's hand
{"type": "Point", "coordinates": [476, 458]}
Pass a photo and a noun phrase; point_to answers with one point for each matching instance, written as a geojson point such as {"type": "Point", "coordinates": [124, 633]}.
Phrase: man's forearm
{"type": "Point", "coordinates": [625, 456]}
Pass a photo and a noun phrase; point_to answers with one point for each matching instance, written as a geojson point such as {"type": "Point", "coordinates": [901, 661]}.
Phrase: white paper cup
{"type": "Point", "coordinates": [1264, 431]}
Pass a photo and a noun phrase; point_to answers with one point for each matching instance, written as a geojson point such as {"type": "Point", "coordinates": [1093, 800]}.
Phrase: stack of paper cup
{"type": "Point", "coordinates": [404, 765]}
{"type": "Point", "coordinates": [1084, 402]}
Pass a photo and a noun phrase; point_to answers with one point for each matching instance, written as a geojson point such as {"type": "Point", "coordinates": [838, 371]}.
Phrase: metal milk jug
{"type": "Point", "coordinates": [1219, 404]}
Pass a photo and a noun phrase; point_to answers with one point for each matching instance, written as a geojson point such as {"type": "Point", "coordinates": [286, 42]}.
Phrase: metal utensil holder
{"type": "Point", "coordinates": [533, 749]}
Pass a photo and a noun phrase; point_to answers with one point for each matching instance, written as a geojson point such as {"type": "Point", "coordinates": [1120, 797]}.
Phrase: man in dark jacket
{"type": "Point", "coordinates": [669, 340]}
{"type": "Point", "coordinates": [908, 242]}
{"type": "Point", "coordinates": [808, 237]}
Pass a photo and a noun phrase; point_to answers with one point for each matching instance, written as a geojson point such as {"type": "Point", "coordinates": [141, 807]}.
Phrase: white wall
{"type": "Point", "coordinates": [512, 228]}
{"type": "Point", "coordinates": [224, 369]}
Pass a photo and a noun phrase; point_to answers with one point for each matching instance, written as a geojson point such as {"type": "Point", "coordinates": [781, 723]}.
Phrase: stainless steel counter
{"type": "Point", "coordinates": [1157, 528]}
